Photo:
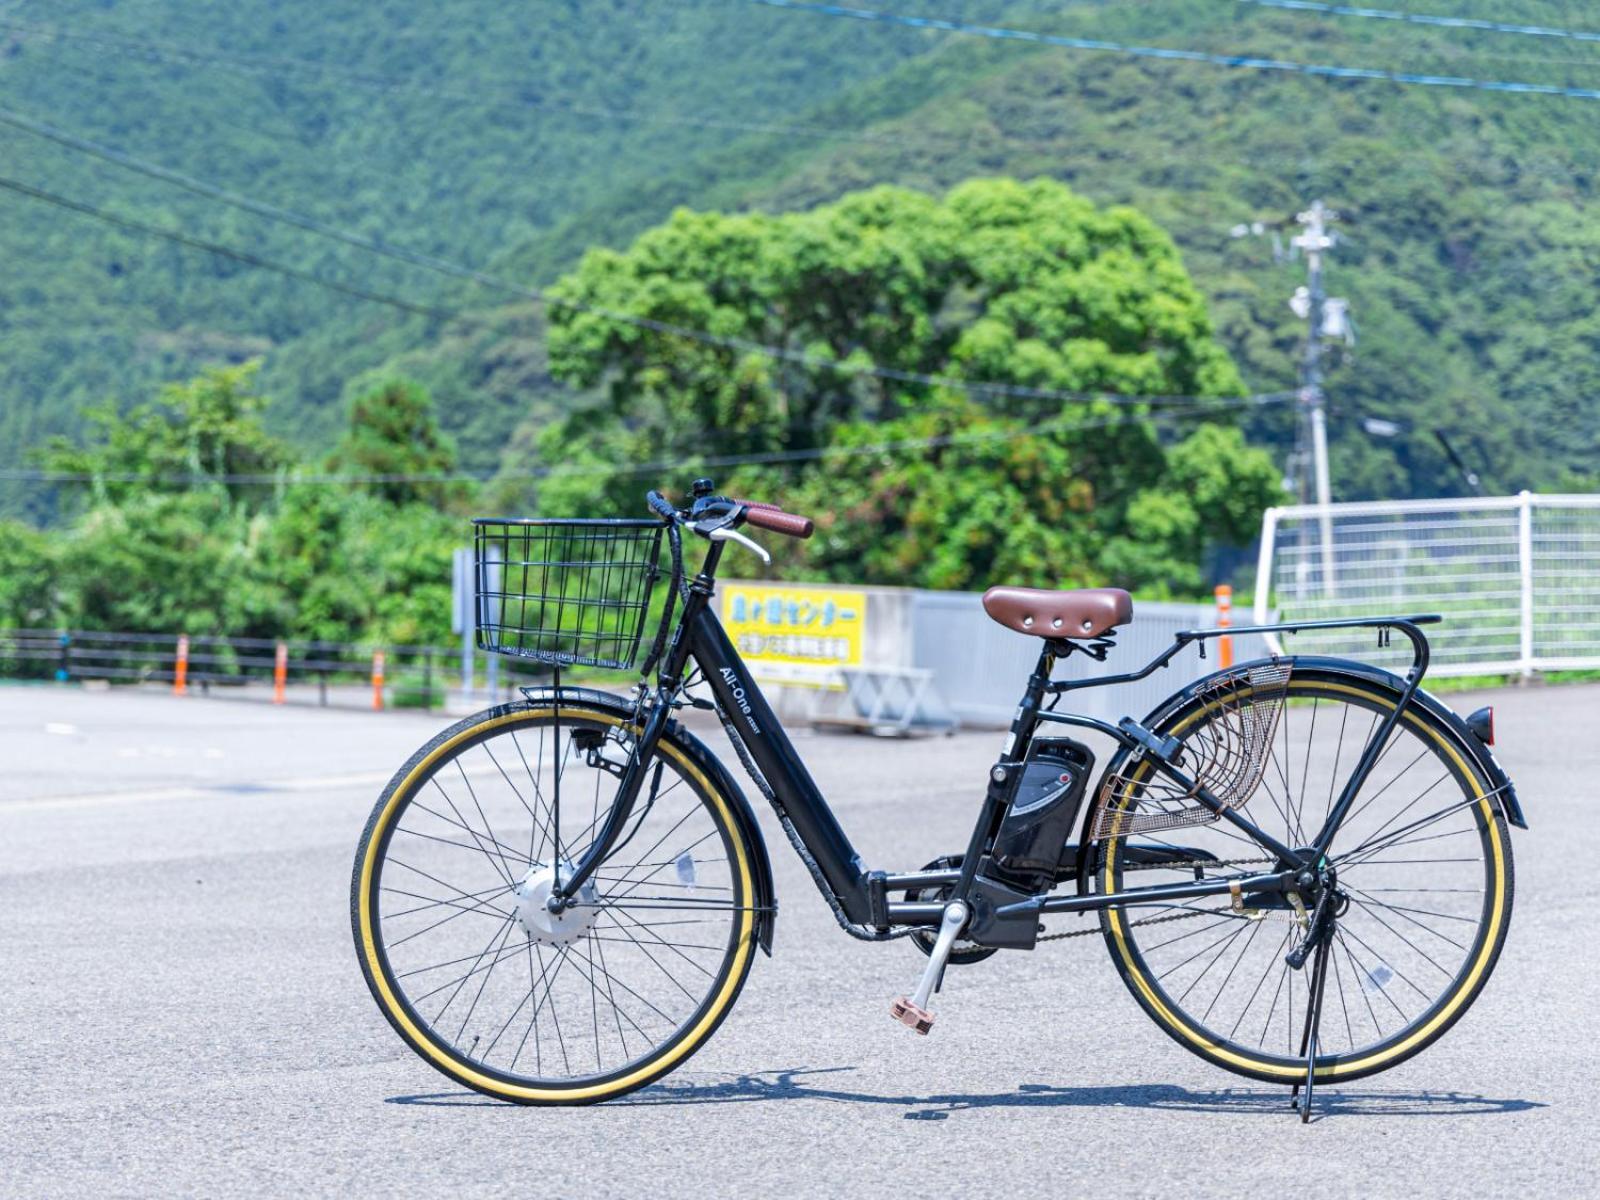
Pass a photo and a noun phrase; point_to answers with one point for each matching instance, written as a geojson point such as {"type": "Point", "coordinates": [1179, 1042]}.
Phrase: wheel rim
{"type": "Point", "coordinates": [510, 998]}
{"type": "Point", "coordinates": [1421, 858]}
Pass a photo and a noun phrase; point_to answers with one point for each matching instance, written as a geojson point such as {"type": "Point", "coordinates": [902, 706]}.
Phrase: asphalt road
{"type": "Point", "coordinates": [181, 1012]}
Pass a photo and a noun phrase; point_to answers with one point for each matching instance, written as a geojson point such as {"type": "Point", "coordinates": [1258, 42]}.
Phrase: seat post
{"type": "Point", "coordinates": [1027, 718]}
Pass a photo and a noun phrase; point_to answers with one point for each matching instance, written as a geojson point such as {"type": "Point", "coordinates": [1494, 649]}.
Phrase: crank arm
{"type": "Point", "coordinates": [913, 1012]}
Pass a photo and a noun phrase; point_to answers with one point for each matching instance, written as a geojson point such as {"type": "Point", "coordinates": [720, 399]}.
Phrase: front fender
{"type": "Point", "coordinates": [766, 897]}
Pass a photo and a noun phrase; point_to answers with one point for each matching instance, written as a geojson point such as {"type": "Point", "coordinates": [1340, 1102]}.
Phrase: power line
{"type": "Point", "coordinates": [1384, 14]}
{"type": "Point", "coordinates": [773, 458]}
{"type": "Point", "coordinates": [237, 200]}
{"type": "Point", "coordinates": [455, 270]}
{"type": "Point", "coordinates": [220, 250]}
{"type": "Point", "coordinates": [207, 58]}
{"type": "Point", "coordinates": [512, 94]}
{"type": "Point", "coordinates": [1238, 61]}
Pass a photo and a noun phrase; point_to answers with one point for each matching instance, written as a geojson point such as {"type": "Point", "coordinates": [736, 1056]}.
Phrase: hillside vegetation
{"type": "Point", "coordinates": [471, 130]}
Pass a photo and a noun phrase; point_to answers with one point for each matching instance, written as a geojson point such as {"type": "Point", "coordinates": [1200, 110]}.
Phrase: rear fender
{"type": "Point", "coordinates": [1466, 741]}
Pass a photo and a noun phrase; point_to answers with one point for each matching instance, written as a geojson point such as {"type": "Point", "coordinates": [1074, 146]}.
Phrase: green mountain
{"type": "Point", "coordinates": [512, 137]}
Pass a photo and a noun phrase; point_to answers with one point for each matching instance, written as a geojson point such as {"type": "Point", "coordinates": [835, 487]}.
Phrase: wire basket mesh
{"type": "Point", "coordinates": [565, 592]}
{"type": "Point", "coordinates": [1226, 750]}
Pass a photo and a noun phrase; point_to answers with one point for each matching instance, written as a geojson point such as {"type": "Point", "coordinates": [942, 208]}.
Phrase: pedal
{"type": "Point", "coordinates": [909, 1015]}
{"type": "Point", "coordinates": [913, 1011]}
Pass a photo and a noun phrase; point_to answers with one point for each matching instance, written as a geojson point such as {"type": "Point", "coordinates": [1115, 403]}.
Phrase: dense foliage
{"type": "Point", "coordinates": [517, 136]}
{"type": "Point", "coordinates": [194, 518]}
{"type": "Point", "coordinates": [919, 483]}
{"type": "Point", "coordinates": [196, 522]}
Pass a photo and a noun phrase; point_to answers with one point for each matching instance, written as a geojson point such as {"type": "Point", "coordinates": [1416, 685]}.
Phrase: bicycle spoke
{"type": "Point", "coordinates": [1374, 842]}
{"type": "Point", "coordinates": [1226, 943]}
{"type": "Point", "coordinates": [563, 957]}
{"type": "Point", "coordinates": [499, 935]}
{"type": "Point", "coordinates": [500, 868]}
{"type": "Point", "coordinates": [483, 983]}
{"type": "Point", "coordinates": [673, 979]}
{"type": "Point", "coordinates": [1414, 827]}
{"type": "Point", "coordinates": [1345, 930]}
{"type": "Point", "coordinates": [1410, 944]}
{"type": "Point", "coordinates": [607, 982]}
{"type": "Point", "coordinates": [656, 939]}
{"type": "Point", "coordinates": [1267, 970]}
{"type": "Point", "coordinates": [1223, 987]}
{"type": "Point", "coordinates": [442, 841]}
{"type": "Point", "coordinates": [435, 902]}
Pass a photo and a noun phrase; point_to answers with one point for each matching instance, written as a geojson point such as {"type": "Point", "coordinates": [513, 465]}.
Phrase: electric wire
{"type": "Point", "coordinates": [222, 251]}
{"type": "Point", "coordinates": [511, 288]}
{"type": "Point", "coordinates": [503, 92]}
{"type": "Point", "coordinates": [1236, 61]}
{"type": "Point", "coordinates": [772, 458]}
{"type": "Point", "coordinates": [164, 51]}
{"type": "Point", "coordinates": [1413, 18]}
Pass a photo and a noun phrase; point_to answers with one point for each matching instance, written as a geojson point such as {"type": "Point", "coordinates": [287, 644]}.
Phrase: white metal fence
{"type": "Point", "coordinates": [1516, 578]}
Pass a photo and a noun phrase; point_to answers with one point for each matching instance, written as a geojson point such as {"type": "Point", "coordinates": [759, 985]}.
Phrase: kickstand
{"type": "Point", "coordinates": [1308, 1039]}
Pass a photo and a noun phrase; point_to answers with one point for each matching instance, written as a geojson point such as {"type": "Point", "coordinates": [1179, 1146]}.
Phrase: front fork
{"type": "Point", "coordinates": [657, 710]}
{"type": "Point", "coordinates": [656, 715]}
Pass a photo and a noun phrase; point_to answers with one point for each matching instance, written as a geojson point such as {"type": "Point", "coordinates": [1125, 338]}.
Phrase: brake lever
{"type": "Point", "coordinates": [727, 534]}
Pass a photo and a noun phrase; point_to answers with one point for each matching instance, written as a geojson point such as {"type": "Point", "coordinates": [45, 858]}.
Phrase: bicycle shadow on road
{"type": "Point", "coordinates": [801, 1084]}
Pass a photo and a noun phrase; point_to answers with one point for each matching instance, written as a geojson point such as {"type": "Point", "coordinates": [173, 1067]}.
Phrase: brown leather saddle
{"type": "Point", "coordinates": [1085, 613]}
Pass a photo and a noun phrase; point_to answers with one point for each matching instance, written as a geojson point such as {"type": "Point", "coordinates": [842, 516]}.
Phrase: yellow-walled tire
{"type": "Point", "coordinates": [596, 1001]}
{"type": "Point", "coordinates": [1428, 911]}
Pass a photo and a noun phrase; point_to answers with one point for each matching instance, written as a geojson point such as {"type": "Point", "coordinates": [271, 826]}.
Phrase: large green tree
{"type": "Point", "coordinates": [175, 534]}
{"type": "Point", "coordinates": [28, 577]}
{"type": "Point", "coordinates": [1025, 284]}
{"type": "Point", "coordinates": [393, 442]}
{"type": "Point", "coordinates": [205, 434]}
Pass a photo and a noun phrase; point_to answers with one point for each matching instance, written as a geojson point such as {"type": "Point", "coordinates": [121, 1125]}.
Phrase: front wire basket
{"type": "Point", "coordinates": [565, 592]}
{"type": "Point", "coordinates": [1227, 752]}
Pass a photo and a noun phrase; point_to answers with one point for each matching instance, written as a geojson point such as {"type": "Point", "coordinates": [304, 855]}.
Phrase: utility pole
{"type": "Point", "coordinates": [1313, 305]}
{"type": "Point", "coordinates": [1326, 317]}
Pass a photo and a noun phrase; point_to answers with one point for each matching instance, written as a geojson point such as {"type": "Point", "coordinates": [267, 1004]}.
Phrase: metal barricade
{"type": "Point", "coordinates": [979, 668]}
{"type": "Point", "coordinates": [1515, 578]}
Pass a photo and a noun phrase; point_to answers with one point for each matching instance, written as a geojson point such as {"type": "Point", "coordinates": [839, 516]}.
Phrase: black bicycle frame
{"type": "Point", "coordinates": [860, 894]}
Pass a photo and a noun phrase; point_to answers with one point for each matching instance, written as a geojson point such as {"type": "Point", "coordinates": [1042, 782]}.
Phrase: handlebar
{"type": "Point", "coordinates": [759, 513]}
{"type": "Point", "coordinates": [778, 521]}
{"type": "Point", "coordinates": [661, 506]}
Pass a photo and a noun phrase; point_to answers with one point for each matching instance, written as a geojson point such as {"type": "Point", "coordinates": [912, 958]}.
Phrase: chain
{"type": "Point", "coordinates": [1183, 916]}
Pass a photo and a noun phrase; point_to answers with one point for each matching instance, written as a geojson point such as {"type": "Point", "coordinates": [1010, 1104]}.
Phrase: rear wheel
{"type": "Point", "coordinates": [1423, 859]}
{"type": "Point", "coordinates": [467, 962]}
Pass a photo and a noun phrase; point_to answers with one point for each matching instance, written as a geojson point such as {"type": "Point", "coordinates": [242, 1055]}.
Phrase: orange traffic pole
{"type": "Point", "coordinates": [1224, 620]}
{"type": "Point", "coordinates": [180, 667]}
{"type": "Point", "coordinates": [377, 680]}
{"type": "Point", "coordinates": [280, 672]}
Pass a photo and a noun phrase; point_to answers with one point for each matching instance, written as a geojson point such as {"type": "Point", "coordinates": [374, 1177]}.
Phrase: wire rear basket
{"type": "Point", "coordinates": [1227, 751]}
{"type": "Point", "coordinates": [565, 592]}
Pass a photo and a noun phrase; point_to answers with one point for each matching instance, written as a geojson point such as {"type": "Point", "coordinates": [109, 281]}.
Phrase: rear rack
{"type": "Point", "coordinates": [1186, 637]}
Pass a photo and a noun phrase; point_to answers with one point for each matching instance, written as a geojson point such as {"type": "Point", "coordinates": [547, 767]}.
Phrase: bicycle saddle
{"type": "Point", "coordinates": [1085, 613]}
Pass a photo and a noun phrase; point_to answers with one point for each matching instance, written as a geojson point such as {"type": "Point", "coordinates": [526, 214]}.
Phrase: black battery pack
{"type": "Point", "coordinates": [1039, 819]}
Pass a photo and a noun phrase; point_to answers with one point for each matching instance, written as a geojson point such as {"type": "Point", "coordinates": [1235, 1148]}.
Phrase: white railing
{"type": "Point", "coordinates": [1517, 578]}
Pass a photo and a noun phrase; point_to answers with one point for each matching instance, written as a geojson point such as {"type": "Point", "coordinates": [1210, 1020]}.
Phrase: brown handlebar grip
{"type": "Point", "coordinates": [760, 504]}
{"type": "Point", "coordinates": [792, 524]}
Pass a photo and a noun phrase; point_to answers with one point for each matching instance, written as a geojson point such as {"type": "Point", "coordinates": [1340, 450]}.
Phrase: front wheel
{"type": "Point", "coordinates": [1422, 864]}
{"type": "Point", "coordinates": [464, 957]}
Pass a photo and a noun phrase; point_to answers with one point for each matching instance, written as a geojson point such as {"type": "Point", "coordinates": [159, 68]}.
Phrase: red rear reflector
{"type": "Point", "coordinates": [1482, 724]}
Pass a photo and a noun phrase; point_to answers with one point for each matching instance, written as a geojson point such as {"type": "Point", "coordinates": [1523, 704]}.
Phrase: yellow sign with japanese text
{"type": "Point", "coordinates": [798, 634]}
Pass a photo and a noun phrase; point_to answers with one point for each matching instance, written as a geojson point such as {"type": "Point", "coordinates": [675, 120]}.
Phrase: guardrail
{"type": "Point", "coordinates": [1517, 578]}
{"type": "Point", "coordinates": [327, 672]}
